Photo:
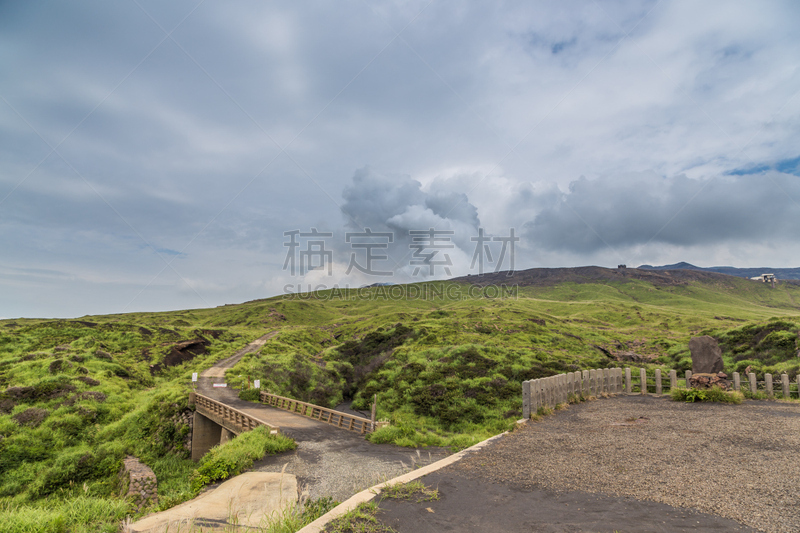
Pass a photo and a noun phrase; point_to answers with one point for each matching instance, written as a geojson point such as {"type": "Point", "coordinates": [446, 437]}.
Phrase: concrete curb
{"type": "Point", "coordinates": [366, 495]}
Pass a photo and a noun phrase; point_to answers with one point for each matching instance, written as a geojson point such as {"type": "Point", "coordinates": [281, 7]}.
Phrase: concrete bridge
{"type": "Point", "coordinates": [216, 423]}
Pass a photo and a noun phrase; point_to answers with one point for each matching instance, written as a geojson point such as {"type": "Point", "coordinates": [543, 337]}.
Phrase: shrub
{"type": "Point", "coordinates": [250, 395]}
{"type": "Point", "coordinates": [237, 455]}
{"type": "Point", "coordinates": [714, 394]}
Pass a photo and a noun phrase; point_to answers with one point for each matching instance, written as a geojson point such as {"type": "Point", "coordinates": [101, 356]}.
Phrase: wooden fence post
{"type": "Point", "coordinates": [737, 381]}
{"type": "Point", "coordinates": [585, 384]}
{"type": "Point", "coordinates": [526, 400]}
{"type": "Point", "coordinates": [628, 385]}
{"type": "Point", "coordinates": [785, 386]}
{"type": "Point", "coordinates": [538, 393]}
{"type": "Point", "coordinates": [658, 381]}
{"type": "Point", "coordinates": [768, 379]}
{"type": "Point", "coordinates": [373, 413]}
{"type": "Point", "coordinates": [673, 380]}
{"type": "Point", "coordinates": [593, 382]}
{"type": "Point", "coordinates": [606, 380]}
{"type": "Point", "coordinates": [751, 377]}
{"type": "Point", "coordinates": [688, 378]}
{"type": "Point", "coordinates": [546, 391]}
{"type": "Point", "coordinates": [568, 379]}
{"type": "Point", "coordinates": [798, 385]}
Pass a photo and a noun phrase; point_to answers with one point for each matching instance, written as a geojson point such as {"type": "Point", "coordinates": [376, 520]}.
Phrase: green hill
{"type": "Point", "coordinates": [446, 360]}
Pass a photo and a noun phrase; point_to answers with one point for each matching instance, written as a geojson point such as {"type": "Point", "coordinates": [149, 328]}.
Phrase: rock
{"type": "Point", "coordinates": [706, 355]}
{"type": "Point", "coordinates": [139, 483]}
{"type": "Point", "coordinates": [632, 357]}
{"type": "Point", "coordinates": [706, 381]}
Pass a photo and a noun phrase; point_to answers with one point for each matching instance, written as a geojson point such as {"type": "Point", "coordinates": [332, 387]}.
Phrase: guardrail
{"type": "Point", "coordinates": [553, 390]}
{"type": "Point", "coordinates": [323, 414]}
{"type": "Point", "coordinates": [226, 416]}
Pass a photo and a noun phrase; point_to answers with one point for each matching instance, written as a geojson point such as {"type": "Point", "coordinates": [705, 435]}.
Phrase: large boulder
{"type": "Point", "coordinates": [706, 355]}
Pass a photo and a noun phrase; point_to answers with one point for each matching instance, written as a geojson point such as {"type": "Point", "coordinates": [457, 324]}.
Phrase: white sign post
{"type": "Point", "coordinates": [257, 384]}
{"type": "Point", "coordinates": [194, 377]}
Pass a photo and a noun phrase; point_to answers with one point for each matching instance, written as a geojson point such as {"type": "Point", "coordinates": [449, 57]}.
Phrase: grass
{"type": "Point", "coordinates": [362, 519]}
{"type": "Point", "coordinates": [298, 515]}
{"type": "Point", "coordinates": [76, 396]}
{"type": "Point", "coordinates": [714, 394]}
{"type": "Point", "coordinates": [415, 490]}
{"type": "Point", "coordinates": [237, 455]}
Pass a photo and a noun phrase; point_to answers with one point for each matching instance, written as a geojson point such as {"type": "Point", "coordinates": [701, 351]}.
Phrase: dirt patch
{"type": "Point", "coordinates": [31, 417]}
{"type": "Point", "coordinates": [180, 353]}
{"type": "Point", "coordinates": [7, 405]}
{"type": "Point", "coordinates": [89, 381]}
{"type": "Point", "coordinates": [86, 395]}
{"type": "Point", "coordinates": [59, 365]}
{"type": "Point", "coordinates": [102, 354]}
{"type": "Point", "coordinates": [213, 333]}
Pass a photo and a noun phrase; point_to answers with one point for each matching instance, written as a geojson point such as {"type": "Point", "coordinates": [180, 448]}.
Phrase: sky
{"type": "Point", "coordinates": [187, 154]}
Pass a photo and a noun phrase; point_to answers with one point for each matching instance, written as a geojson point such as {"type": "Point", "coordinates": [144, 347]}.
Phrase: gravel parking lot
{"type": "Point", "coordinates": [736, 461]}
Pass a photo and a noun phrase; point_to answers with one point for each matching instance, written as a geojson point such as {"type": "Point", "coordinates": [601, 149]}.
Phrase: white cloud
{"type": "Point", "coordinates": [474, 116]}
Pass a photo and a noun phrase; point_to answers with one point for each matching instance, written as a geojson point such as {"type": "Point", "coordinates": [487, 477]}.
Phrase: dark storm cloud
{"type": "Point", "coordinates": [640, 208]}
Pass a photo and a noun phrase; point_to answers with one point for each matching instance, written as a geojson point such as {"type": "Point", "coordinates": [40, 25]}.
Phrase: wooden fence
{"type": "Point", "coordinates": [323, 414]}
{"type": "Point", "coordinates": [553, 390]}
{"type": "Point", "coordinates": [227, 416]}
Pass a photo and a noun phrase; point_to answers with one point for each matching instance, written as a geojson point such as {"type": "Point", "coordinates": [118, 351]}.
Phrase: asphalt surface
{"type": "Point", "coordinates": [466, 506]}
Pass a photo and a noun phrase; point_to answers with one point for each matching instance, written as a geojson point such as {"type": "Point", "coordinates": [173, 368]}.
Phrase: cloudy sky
{"type": "Point", "coordinates": [167, 155]}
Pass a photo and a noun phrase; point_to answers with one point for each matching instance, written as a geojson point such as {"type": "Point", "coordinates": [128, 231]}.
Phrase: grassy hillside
{"type": "Point", "coordinates": [446, 361]}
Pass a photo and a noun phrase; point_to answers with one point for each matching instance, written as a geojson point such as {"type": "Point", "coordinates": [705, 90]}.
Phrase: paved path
{"type": "Point", "coordinates": [247, 500]}
{"type": "Point", "coordinates": [328, 461]}
{"type": "Point", "coordinates": [626, 464]}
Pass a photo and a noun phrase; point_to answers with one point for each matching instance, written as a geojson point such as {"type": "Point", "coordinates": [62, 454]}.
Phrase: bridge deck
{"type": "Point", "coordinates": [296, 426]}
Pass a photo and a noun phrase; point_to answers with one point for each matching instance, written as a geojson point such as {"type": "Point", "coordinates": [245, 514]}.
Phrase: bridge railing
{"type": "Point", "coordinates": [323, 414]}
{"type": "Point", "coordinates": [227, 416]}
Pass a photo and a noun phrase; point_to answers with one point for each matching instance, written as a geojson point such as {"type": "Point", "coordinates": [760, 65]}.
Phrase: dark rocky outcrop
{"type": "Point", "coordinates": [180, 353]}
{"type": "Point", "coordinates": [706, 355]}
{"type": "Point", "coordinates": [706, 381]}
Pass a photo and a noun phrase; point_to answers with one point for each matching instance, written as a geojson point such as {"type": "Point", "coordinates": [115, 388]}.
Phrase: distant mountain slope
{"type": "Point", "coordinates": [545, 277]}
{"type": "Point", "coordinates": [780, 273]}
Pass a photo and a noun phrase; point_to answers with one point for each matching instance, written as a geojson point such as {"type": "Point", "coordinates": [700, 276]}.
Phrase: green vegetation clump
{"type": "Point", "coordinates": [237, 455]}
{"type": "Point", "coordinates": [360, 520]}
{"type": "Point", "coordinates": [76, 396]}
{"type": "Point", "coordinates": [765, 347]}
{"type": "Point", "coordinates": [250, 395]}
{"type": "Point", "coordinates": [298, 515]}
{"type": "Point", "coordinates": [714, 394]}
{"type": "Point", "coordinates": [415, 490]}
